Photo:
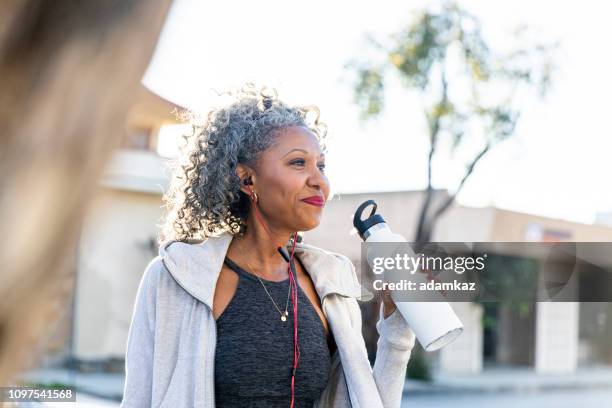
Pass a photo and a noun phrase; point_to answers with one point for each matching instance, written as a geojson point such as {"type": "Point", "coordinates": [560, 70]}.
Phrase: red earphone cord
{"type": "Point", "coordinates": [294, 300]}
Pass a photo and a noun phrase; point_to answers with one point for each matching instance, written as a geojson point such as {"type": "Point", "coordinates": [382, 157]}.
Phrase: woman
{"type": "Point", "coordinates": [222, 318]}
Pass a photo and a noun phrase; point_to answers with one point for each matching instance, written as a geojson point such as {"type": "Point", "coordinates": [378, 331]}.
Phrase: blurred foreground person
{"type": "Point", "coordinates": [68, 74]}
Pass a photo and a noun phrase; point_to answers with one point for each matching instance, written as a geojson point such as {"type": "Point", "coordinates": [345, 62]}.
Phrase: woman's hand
{"type": "Point", "coordinates": [389, 304]}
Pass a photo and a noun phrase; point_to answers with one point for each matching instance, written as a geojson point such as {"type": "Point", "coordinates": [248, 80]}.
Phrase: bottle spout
{"type": "Point", "coordinates": [363, 225]}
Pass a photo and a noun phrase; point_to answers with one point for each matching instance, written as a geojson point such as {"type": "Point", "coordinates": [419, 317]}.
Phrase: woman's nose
{"type": "Point", "coordinates": [317, 180]}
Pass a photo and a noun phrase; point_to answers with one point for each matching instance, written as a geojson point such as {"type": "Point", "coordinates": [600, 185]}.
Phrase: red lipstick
{"type": "Point", "coordinates": [314, 200]}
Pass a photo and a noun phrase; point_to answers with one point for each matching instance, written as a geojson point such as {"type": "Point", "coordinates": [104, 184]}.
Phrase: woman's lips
{"type": "Point", "coordinates": [317, 201]}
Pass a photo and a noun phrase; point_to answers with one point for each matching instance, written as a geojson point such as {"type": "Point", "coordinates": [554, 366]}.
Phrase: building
{"type": "Point", "coordinates": [118, 240]}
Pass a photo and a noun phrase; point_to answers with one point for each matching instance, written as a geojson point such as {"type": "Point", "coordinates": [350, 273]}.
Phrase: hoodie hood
{"type": "Point", "coordinates": [196, 268]}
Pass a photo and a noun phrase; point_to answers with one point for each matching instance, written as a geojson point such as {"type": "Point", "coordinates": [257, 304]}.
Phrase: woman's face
{"type": "Point", "coordinates": [287, 173]}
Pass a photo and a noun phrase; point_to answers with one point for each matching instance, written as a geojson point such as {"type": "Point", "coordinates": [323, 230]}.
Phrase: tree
{"type": "Point", "coordinates": [468, 90]}
{"type": "Point", "coordinates": [439, 50]}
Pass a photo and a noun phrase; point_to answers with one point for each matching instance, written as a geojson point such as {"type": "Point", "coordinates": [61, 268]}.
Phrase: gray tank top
{"type": "Point", "coordinates": [254, 351]}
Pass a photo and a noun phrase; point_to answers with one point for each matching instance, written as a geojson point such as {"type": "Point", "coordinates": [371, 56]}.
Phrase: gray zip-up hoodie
{"type": "Point", "coordinates": [170, 355]}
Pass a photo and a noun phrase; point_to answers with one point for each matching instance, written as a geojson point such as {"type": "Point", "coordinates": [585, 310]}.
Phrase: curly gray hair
{"type": "Point", "coordinates": [204, 197]}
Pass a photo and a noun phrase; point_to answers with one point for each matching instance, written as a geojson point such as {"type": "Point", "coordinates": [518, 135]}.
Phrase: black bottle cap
{"type": "Point", "coordinates": [363, 225]}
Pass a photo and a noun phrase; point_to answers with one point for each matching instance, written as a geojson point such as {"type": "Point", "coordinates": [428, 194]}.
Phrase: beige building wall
{"type": "Point", "coordinates": [511, 226]}
{"type": "Point", "coordinates": [119, 233]}
{"type": "Point", "coordinates": [115, 248]}
{"type": "Point", "coordinates": [118, 240]}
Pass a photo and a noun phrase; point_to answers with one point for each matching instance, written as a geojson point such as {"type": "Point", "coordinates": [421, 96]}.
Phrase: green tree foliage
{"type": "Point", "coordinates": [442, 48]}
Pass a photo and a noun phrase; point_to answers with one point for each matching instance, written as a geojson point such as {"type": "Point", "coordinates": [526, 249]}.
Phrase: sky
{"type": "Point", "coordinates": [556, 165]}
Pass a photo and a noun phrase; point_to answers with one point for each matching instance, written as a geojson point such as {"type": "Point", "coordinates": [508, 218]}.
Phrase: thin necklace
{"type": "Point", "coordinates": [283, 315]}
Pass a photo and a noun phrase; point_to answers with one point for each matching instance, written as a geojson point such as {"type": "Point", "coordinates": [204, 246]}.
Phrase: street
{"type": "Point", "coordinates": [549, 399]}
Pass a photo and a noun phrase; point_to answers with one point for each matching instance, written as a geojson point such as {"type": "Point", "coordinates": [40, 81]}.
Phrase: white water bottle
{"type": "Point", "coordinates": [435, 324]}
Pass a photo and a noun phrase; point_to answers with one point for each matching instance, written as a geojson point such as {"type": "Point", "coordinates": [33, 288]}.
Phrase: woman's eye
{"type": "Point", "coordinates": [301, 162]}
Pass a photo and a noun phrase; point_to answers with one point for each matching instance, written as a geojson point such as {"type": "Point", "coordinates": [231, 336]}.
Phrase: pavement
{"type": "Point", "coordinates": [107, 386]}
{"type": "Point", "coordinates": [494, 384]}
{"type": "Point", "coordinates": [548, 399]}
{"type": "Point", "coordinates": [513, 380]}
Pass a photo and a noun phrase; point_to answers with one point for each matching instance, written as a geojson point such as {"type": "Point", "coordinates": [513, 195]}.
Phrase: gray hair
{"type": "Point", "coordinates": [204, 198]}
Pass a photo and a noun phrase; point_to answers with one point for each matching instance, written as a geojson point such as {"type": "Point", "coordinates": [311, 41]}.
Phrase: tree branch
{"type": "Point", "coordinates": [469, 171]}
{"type": "Point", "coordinates": [434, 131]}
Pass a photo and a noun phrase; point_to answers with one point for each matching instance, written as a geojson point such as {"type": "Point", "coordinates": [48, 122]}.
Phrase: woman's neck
{"type": "Point", "coordinates": [257, 250]}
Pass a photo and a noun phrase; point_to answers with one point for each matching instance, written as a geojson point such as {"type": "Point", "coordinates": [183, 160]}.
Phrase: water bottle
{"type": "Point", "coordinates": [435, 324]}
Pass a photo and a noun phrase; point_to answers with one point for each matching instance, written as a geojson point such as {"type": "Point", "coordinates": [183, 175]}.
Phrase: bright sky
{"type": "Point", "coordinates": [556, 165]}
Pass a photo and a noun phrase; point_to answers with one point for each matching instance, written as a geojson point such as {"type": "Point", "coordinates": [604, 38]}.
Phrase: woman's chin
{"type": "Point", "coordinates": [309, 225]}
